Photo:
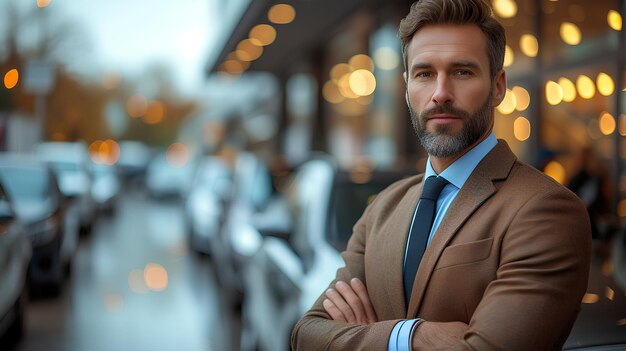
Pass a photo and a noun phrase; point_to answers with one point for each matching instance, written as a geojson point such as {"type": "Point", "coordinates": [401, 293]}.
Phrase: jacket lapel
{"type": "Point", "coordinates": [478, 188]}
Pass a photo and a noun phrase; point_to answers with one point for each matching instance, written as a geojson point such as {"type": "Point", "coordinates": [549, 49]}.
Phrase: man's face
{"type": "Point", "coordinates": [450, 93]}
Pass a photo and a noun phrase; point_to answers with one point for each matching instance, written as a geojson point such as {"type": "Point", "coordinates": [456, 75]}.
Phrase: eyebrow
{"type": "Point", "coordinates": [455, 64]}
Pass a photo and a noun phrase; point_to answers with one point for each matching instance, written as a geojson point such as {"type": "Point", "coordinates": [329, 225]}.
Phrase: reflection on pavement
{"type": "Point", "coordinates": [134, 286]}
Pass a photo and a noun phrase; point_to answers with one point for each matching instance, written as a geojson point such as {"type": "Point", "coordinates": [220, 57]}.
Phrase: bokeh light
{"type": "Point", "coordinates": [521, 128]}
{"type": "Point", "coordinates": [248, 51]}
{"type": "Point", "coordinates": [43, 3]}
{"type": "Point", "coordinates": [570, 33]}
{"type": "Point", "coordinates": [522, 97]}
{"type": "Point", "coordinates": [508, 104]}
{"type": "Point", "coordinates": [361, 61]}
{"type": "Point", "coordinates": [509, 56]}
{"type": "Point", "coordinates": [281, 14]}
{"type": "Point", "coordinates": [155, 277]}
{"type": "Point", "coordinates": [569, 89]}
{"type": "Point", "coordinates": [505, 8]}
{"type": "Point", "coordinates": [331, 93]}
{"type": "Point", "coordinates": [585, 86]}
{"type": "Point", "coordinates": [556, 171]}
{"type": "Point", "coordinates": [263, 33]}
{"type": "Point", "coordinates": [155, 112]}
{"type": "Point", "coordinates": [590, 298]}
{"type": "Point", "coordinates": [554, 93]}
{"type": "Point", "coordinates": [529, 45]}
{"type": "Point", "coordinates": [11, 78]}
{"type": "Point", "coordinates": [607, 123]}
{"type": "Point", "coordinates": [605, 84]}
{"type": "Point", "coordinates": [614, 19]}
{"type": "Point", "coordinates": [362, 82]}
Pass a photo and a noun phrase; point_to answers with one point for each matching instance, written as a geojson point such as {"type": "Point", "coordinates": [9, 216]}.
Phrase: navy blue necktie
{"type": "Point", "coordinates": [420, 230]}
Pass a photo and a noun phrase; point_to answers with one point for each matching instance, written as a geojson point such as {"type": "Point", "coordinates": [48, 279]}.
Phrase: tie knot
{"type": "Point", "coordinates": [433, 187]}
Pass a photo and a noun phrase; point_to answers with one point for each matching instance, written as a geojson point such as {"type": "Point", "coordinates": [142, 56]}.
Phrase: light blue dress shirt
{"type": "Point", "coordinates": [456, 174]}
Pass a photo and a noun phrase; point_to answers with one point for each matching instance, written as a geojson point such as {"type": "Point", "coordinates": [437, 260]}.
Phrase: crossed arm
{"type": "Point", "coordinates": [350, 303]}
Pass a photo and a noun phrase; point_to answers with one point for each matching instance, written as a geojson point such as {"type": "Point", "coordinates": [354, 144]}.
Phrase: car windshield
{"type": "Point", "coordinates": [26, 183]}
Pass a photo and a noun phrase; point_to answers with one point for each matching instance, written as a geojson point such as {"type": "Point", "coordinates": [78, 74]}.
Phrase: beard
{"type": "Point", "coordinates": [443, 143]}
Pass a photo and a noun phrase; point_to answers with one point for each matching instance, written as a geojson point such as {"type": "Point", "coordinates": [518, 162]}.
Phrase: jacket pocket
{"type": "Point", "coordinates": [465, 253]}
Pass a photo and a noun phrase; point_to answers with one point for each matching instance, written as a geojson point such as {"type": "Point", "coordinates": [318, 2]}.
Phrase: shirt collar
{"type": "Point", "coordinates": [458, 172]}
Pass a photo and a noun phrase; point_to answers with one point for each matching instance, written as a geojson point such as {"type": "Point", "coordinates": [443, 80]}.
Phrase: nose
{"type": "Point", "coordinates": [442, 94]}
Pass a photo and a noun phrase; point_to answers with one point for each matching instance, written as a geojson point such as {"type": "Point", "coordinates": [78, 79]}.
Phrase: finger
{"type": "Point", "coordinates": [341, 304]}
{"type": "Point", "coordinates": [353, 301]}
{"type": "Point", "coordinates": [361, 291]}
{"type": "Point", "coordinates": [333, 311]}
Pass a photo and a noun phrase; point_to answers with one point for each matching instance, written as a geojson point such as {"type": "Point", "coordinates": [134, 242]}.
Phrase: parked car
{"type": "Point", "coordinates": [133, 161]}
{"type": "Point", "coordinates": [254, 209]}
{"type": "Point", "coordinates": [40, 206]}
{"type": "Point", "coordinates": [288, 274]}
{"type": "Point", "coordinates": [165, 180]}
{"type": "Point", "coordinates": [210, 190]}
{"type": "Point", "coordinates": [15, 255]}
{"type": "Point", "coordinates": [69, 161]}
{"type": "Point", "coordinates": [106, 186]}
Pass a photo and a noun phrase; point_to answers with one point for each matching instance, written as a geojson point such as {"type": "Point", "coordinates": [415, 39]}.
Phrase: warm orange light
{"type": "Point", "coordinates": [247, 50]}
{"type": "Point", "coordinates": [522, 97]}
{"type": "Point", "coordinates": [155, 277]}
{"type": "Point", "coordinates": [263, 33]}
{"type": "Point", "coordinates": [344, 87]}
{"type": "Point", "coordinates": [109, 152]}
{"type": "Point", "coordinates": [43, 3]}
{"type": "Point", "coordinates": [609, 293]}
{"type": "Point", "coordinates": [555, 170]}
{"type": "Point", "coordinates": [569, 89]}
{"type": "Point", "coordinates": [570, 33]}
{"type": "Point", "coordinates": [233, 66]}
{"type": "Point", "coordinates": [339, 70]}
{"type": "Point", "coordinates": [585, 86]}
{"type": "Point", "coordinates": [362, 82]}
{"type": "Point", "coordinates": [281, 14]}
{"type": "Point", "coordinates": [508, 104]}
{"type": "Point", "coordinates": [607, 123]}
{"type": "Point", "coordinates": [177, 155]}
{"type": "Point", "coordinates": [605, 84]}
{"type": "Point", "coordinates": [554, 93]}
{"type": "Point", "coordinates": [614, 19]}
{"type": "Point", "coordinates": [622, 125]}
{"type": "Point", "coordinates": [521, 128]}
{"type": "Point", "coordinates": [529, 45]}
{"type": "Point", "coordinates": [590, 298]}
{"type": "Point", "coordinates": [155, 112]}
{"type": "Point", "coordinates": [330, 91]}
{"type": "Point", "coordinates": [509, 56]}
{"type": "Point", "coordinates": [361, 62]}
{"type": "Point", "coordinates": [94, 151]}
{"type": "Point", "coordinates": [136, 106]}
{"type": "Point", "coordinates": [11, 78]}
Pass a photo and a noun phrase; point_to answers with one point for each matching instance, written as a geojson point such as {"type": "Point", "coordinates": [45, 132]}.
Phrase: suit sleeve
{"type": "Point", "coordinates": [535, 296]}
{"type": "Point", "coordinates": [317, 331]}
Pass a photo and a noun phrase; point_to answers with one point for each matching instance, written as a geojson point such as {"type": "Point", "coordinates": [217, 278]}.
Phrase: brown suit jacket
{"type": "Point", "coordinates": [510, 259]}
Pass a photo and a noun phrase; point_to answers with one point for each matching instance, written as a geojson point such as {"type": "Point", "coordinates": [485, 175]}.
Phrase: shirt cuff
{"type": "Point", "coordinates": [400, 338]}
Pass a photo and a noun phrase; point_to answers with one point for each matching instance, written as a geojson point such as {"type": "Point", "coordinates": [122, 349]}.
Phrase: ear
{"type": "Point", "coordinates": [499, 88]}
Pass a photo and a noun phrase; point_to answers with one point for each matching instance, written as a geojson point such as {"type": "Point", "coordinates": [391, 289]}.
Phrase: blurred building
{"type": "Point", "coordinates": [339, 68]}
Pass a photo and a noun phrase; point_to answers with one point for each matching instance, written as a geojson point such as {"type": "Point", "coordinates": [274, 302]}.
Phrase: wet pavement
{"type": "Point", "coordinates": [134, 286]}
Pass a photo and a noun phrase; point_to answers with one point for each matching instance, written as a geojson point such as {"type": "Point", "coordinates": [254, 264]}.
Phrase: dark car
{"type": "Point", "coordinates": [15, 254]}
{"type": "Point", "coordinates": [39, 204]}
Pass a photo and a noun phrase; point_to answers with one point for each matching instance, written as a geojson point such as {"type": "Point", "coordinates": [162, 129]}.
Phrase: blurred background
{"type": "Point", "coordinates": [183, 175]}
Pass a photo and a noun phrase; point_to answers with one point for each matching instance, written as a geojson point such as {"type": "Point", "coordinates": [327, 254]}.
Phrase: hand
{"type": "Point", "coordinates": [350, 303]}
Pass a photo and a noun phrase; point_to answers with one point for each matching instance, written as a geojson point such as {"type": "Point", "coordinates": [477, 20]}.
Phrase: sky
{"type": "Point", "coordinates": [125, 36]}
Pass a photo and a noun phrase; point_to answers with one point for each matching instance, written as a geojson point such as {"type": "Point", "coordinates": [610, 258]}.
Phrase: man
{"type": "Point", "coordinates": [507, 257]}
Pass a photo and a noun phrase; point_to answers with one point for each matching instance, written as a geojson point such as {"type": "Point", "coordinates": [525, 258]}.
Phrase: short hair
{"type": "Point", "coordinates": [459, 12]}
